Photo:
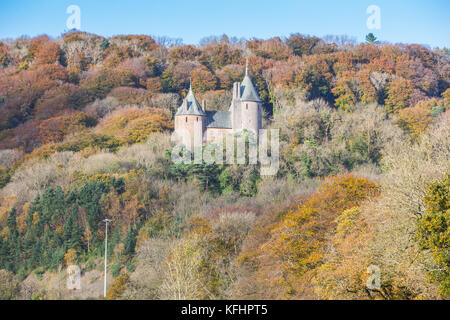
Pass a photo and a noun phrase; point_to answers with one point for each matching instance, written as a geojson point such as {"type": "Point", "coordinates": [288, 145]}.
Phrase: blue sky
{"type": "Point", "coordinates": [406, 21]}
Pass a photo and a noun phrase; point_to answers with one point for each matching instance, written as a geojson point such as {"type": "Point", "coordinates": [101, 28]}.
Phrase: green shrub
{"type": "Point", "coordinates": [115, 269]}
{"type": "Point", "coordinates": [433, 231]}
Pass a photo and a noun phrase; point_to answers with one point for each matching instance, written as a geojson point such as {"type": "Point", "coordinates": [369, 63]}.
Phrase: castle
{"type": "Point", "coordinates": [194, 125]}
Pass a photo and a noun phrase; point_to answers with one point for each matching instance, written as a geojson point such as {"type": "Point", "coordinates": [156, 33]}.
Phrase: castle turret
{"type": "Point", "coordinates": [250, 105]}
{"type": "Point", "coordinates": [190, 121]}
{"type": "Point", "coordinates": [235, 108]}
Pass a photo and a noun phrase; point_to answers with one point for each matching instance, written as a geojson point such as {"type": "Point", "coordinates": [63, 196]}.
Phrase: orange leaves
{"type": "Point", "coordinates": [102, 81]}
{"type": "Point", "coordinates": [20, 92]}
{"type": "Point", "coordinates": [399, 92]}
{"type": "Point", "coordinates": [354, 87]}
{"type": "Point", "coordinates": [139, 129]}
{"type": "Point", "coordinates": [220, 55]}
{"type": "Point", "coordinates": [55, 129]}
{"type": "Point", "coordinates": [140, 42]}
{"type": "Point", "coordinates": [177, 76]}
{"type": "Point", "coordinates": [59, 99]}
{"type": "Point", "coordinates": [52, 72]}
{"type": "Point", "coordinates": [302, 45]}
{"type": "Point", "coordinates": [44, 50]}
{"type": "Point", "coordinates": [417, 119]}
{"type": "Point", "coordinates": [36, 84]}
{"type": "Point", "coordinates": [347, 91]}
{"type": "Point", "coordinates": [341, 192]}
{"type": "Point", "coordinates": [130, 96]}
{"type": "Point", "coordinates": [203, 80]}
{"type": "Point", "coordinates": [256, 65]}
{"type": "Point", "coordinates": [344, 273]}
{"type": "Point", "coordinates": [315, 76]}
{"type": "Point", "coordinates": [154, 85]}
{"type": "Point", "coordinates": [283, 72]}
{"type": "Point", "coordinates": [49, 53]}
{"type": "Point", "coordinates": [381, 64]}
{"type": "Point", "coordinates": [135, 124]}
{"type": "Point", "coordinates": [367, 52]}
{"type": "Point", "coordinates": [272, 48]}
{"type": "Point", "coordinates": [114, 55]}
{"type": "Point", "coordinates": [298, 240]}
{"type": "Point", "coordinates": [343, 61]}
{"type": "Point", "coordinates": [184, 53]}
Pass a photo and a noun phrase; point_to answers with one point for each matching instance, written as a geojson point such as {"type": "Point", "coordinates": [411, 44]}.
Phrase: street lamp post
{"type": "Point", "coordinates": [106, 253]}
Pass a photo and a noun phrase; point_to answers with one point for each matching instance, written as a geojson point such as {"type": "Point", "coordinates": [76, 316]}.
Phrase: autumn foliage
{"type": "Point", "coordinates": [134, 125]}
{"type": "Point", "coordinates": [85, 124]}
{"type": "Point", "coordinates": [297, 239]}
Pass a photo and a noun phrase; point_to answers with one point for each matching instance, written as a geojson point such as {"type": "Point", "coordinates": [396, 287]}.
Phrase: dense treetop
{"type": "Point", "coordinates": [43, 79]}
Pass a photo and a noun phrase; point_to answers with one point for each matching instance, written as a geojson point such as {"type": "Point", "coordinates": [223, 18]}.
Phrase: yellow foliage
{"type": "Point", "coordinates": [345, 222]}
{"type": "Point", "coordinates": [199, 225]}
{"type": "Point", "coordinates": [7, 203]}
{"type": "Point", "coordinates": [134, 125]}
{"type": "Point", "coordinates": [70, 257]}
{"type": "Point", "coordinates": [35, 218]}
{"type": "Point", "coordinates": [298, 240]}
{"type": "Point", "coordinates": [118, 287]}
{"type": "Point", "coordinates": [417, 119]}
{"type": "Point", "coordinates": [399, 92]}
{"type": "Point", "coordinates": [446, 96]}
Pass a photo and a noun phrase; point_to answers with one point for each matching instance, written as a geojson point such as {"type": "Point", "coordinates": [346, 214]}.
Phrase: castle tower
{"type": "Point", "coordinates": [250, 105]}
{"type": "Point", "coordinates": [235, 108]}
{"type": "Point", "coordinates": [190, 122]}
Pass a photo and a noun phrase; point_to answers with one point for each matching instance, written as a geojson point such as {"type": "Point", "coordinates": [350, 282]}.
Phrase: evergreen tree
{"type": "Point", "coordinates": [76, 231]}
{"type": "Point", "coordinates": [207, 174]}
{"type": "Point", "coordinates": [89, 197]}
{"type": "Point", "coordinates": [71, 233]}
{"type": "Point", "coordinates": [118, 185]}
{"type": "Point", "coordinates": [56, 240]}
{"type": "Point", "coordinates": [115, 239]}
{"type": "Point", "coordinates": [130, 241]}
{"type": "Point", "coordinates": [28, 242]}
{"type": "Point", "coordinates": [13, 255]}
{"type": "Point", "coordinates": [12, 223]}
{"type": "Point", "coordinates": [36, 254]}
{"type": "Point", "coordinates": [370, 38]}
{"type": "Point", "coordinates": [3, 253]}
{"type": "Point", "coordinates": [67, 232]}
{"type": "Point", "coordinates": [56, 257]}
{"type": "Point", "coordinates": [13, 243]}
{"type": "Point", "coordinates": [53, 205]}
{"type": "Point", "coordinates": [72, 196]}
{"type": "Point", "coordinates": [46, 239]}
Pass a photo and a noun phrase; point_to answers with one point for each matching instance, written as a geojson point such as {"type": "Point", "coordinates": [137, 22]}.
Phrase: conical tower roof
{"type": "Point", "coordinates": [190, 105]}
{"type": "Point", "coordinates": [248, 91]}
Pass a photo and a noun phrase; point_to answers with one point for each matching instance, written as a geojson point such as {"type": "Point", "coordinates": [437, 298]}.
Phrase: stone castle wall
{"type": "Point", "coordinates": [213, 134]}
{"type": "Point", "coordinates": [251, 116]}
{"type": "Point", "coordinates": [190, 127]}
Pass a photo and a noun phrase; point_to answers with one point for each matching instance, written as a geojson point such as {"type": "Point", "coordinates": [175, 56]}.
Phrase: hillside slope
{"type": "Point", "coordinates": [85, 125]}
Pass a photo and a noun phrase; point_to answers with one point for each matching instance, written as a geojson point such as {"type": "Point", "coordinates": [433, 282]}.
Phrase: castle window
{"type": "Point", "coordinates": [186, 119]}
{"type": "Point", "coordinates": [197, 119]}
{"type": "Point", "coordinates": [246, 106]}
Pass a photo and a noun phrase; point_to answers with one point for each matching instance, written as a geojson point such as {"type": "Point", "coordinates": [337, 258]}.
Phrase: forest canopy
{"type": "Point", "coordinates": [85, 124]}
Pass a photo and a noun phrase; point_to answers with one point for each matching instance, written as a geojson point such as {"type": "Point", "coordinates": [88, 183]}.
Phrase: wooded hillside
{"type": "Point", "coordinates": [85, 125]}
